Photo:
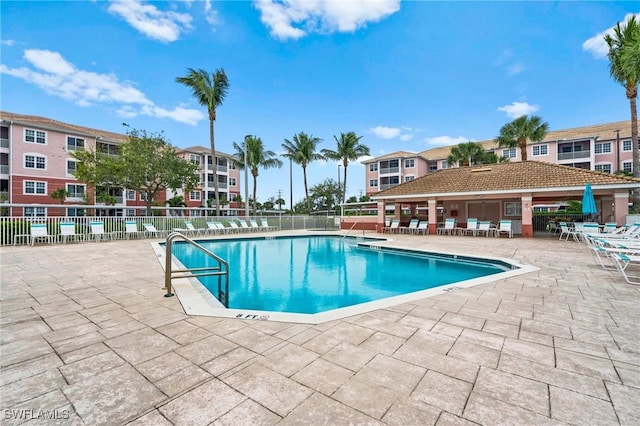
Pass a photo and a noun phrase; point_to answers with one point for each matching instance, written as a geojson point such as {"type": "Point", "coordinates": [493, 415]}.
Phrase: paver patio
{"type": "Point", "coordinates": [87, 336]}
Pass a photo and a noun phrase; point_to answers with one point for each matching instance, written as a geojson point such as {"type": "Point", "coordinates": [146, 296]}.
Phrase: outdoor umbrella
{"type": "Point", "coordinates": [588, 202]}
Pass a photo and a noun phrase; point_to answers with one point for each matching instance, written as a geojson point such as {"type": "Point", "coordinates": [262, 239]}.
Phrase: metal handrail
{"type": "Point", "coordinates": [353, 226]}
{"type": "Point", "coordinates": [222, 270]}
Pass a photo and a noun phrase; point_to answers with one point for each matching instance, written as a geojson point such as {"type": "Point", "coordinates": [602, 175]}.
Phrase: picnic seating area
{"type": "Point", "coordinates": [474, 227]}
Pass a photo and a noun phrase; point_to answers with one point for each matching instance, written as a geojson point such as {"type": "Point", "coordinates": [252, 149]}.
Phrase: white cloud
{"type": "Point", "coordinates": [446, 140]}
{"type": "Point", "coordinates": [406, 137]}
{"type": "Point", "coordinates": [210, 14]}
{"type": "Point", "coordinates": [515, 69]}
{"type": "Point", "coordinates": [58, 77]}
{"type": "Point", "coordinates": [596, 44]}
{"type": "Point", "coordinates": [296, 18]}
{"type": "Point", "coordinates": [146, 18]}
{"type": "Point", "coordinates": [517, 109]}
{"type": "Point", "coordinates": [385, 132]}
{"type": "Point", "coordinates": [360, 160]}
{"type": "Point", "coordinates": [7, 42]}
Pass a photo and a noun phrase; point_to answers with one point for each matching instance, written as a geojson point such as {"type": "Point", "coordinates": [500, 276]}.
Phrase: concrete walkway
{"type": "Point", "coordinates": [88, 338]}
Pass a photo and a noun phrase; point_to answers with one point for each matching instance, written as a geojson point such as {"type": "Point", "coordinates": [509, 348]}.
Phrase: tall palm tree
{"type": "Point", "coordinates": [348, 148]}
{"type": "Point", "coordinates": [467, 153]}
{"type": "Point", "coordinates": [257, 157]}
{"type": "Point", "coordinates": [210, 91]}
{"type": "Point", "coordinates": [521, 130]}
{"type": "Point", "coordinates": [302, 151]}
{"type": "Point", "coordinates": [624, 57]}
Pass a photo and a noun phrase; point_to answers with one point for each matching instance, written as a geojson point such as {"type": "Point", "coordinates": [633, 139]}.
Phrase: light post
{"type": "Point", "coordinates": [246, 179]}
{"type": "Point", "coordinates": [339, 187]}
{"type": "Point", "coordinates": [291, 185]}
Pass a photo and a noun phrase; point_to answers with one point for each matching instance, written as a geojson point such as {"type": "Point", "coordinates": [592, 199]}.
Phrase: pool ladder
{"type": "Point", "coordinates": [221, 270]}
{"type": "Point", "coordinates": [353, 226]}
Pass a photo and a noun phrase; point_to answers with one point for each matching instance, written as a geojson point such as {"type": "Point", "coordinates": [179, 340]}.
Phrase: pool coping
{"type": "Point", "coordinates": [197, 300]}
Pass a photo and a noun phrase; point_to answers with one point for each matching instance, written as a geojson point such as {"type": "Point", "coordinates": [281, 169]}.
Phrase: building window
{"type": "Point", "coordinates": [35, 136]}
{"type": "Point", "coordinates": [603, 148]}
{"type": "Point", "coordinates": [35, 212]}
{"type": "Point", "coordinates": [445, 164]}
{"type": "Point", "coordinates": [76, 212]}
{"type": "Point", "coordinates": [232, 181]}
{"type": "Point", "coordinates": [409, 178]}
{"type": "Point", "coordinates": [143, 196]}
{"type": "Point", "coordinates": [34, 187]}
{"type": "Point", "coordinates": [195, 159]}
{"type": "Point", "coordinates": [373, 167]}
{"type": "Point", "coordinates": [627, 166]}
{"type": "Point", "coordinates": [75, 144]}
{"type": "Point", "coordinates": [606, 168]}
{"type": "Point", "coordinates": [513, 209]}
{"type": "Point", "coordinates": [409, 164]}
{"type": "Point", "coordinates": [373, 183]}
{"type": "Point", "coordinates": [232, 166]}
{"type": "Point", "coordinates": [131, 195]}
{"type": "Point", "coordinates": [35, 162]}
{"type": "Point", "coordinates": [509, 153]}
{"type": "Point", "coordinates": [540, 150]}
{"type": "Point", "coordinates": [130, 212]}
{"type": "Point", "coordinates": [194, 196]}
{"type": "Point", "coordinates": [627, 145]}
{"type": "Point", "coordinates": [75, 190]}
{"type": "Point", "coordinates": [71, 167]}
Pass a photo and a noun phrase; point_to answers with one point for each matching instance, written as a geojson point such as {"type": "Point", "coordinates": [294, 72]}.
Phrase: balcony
{"type": "Point", "coordinates": [4, 143]}
{"type": "Point", "coordinates": [573, 155]}
{"type": "Point", "coordinates": [384, 186]}
{"type": "Point", "coordinates": [221, 185]}
{"type": "Point", "coordinates": [4, 170]}
{"type": "Point", "coordinates": [219, 169]}
{"type": "Point", "coordinates": [387, 170]}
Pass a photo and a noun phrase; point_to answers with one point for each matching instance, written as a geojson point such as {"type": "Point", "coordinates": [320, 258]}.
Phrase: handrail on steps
{"type": "Point", "coordinates": [221, 270]}
{"type": "Point", "coordinates": [353, 226]}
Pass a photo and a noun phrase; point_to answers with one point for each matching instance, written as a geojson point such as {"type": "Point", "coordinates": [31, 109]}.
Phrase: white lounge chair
{"type": "Point", "coordinates": [393, 227]}
{"type": "Point", "coordinates": [254, 226]}
{"type": "Point", "coordinates": [629, 266]}
{"type": "Point", "coordinates": [151, 231]}
{"type": "Point", "coordinates": [449, 227]}
{"type": "Point", "coordinates": [472, 227]}
{"type": "Point", "coordinates": [411, 228]}
{"type": "Point", "coordinates": [131, 229]}
{"type": "Point", "coordinates": [423, 227]}
{"type": "Point", "coordinates": [99, 234]}
{"type": "Point", "coordinates": [244, 226]}
{"type": "Point", "coordinates": [68, 231]}
{"type": "Point", "coordinates": [38, 231]}
{"type": "Point", "coordinates": [192, 229]}
{"type": "Point", "coordinates": [266, 226]}
{"type": "Point", "coordinates": [566, 232]}
{"type": "Point", "coordinates": [504, 227]}
{"type": "Point", "coordinates": [484, 227]}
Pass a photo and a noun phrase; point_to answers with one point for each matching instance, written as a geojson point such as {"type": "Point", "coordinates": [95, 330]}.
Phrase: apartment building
{"type": "Point", "coordinates": [602, 147]}
{"type": "Point", "coordinates": [36, 160]}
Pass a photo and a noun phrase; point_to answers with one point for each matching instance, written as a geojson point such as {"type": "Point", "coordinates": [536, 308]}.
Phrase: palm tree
{"type": "Point", "coordinates": [467, 153]}
{"type": "Point", "coordinates": [521, 130]}
{"type": "Point", "coordinates": [210, 91]}
{"type": "Point", "coordinates": [348, 148]}
{"type": "Point", "coordinates": [302, 151]}
{"type": "Point", "coordinates": [624, 57]}
{"type": "Point", "coordinates": [257, 157]}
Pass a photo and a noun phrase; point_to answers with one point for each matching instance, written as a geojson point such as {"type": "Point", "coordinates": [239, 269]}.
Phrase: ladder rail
{"type": "Point", "coordinates": [221, 270]}
{"type": "Point", "coordinates": [353, 226]}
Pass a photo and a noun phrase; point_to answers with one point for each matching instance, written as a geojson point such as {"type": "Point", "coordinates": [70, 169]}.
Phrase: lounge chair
{"type": "Point", "coordinates": [255, 227]}
{"type": "Point", "coordinates": [233, 227]}
{"type": "Point", "coordinates": [68, 231]}
{"type": "Point", "coordinates": [98, 233]}
{"type": "Point", "coordinates": [448, 228]}
{"type": "Point", "coordinates": [266, 226]}
{"type": "Point", "coordinates": [567, 232]}
{"type": "Point", "coordinates": [472, 228]}
{"type": "Point", "coordinates": [131, 229]}
{"type": "Point", "coordinates": [629, 266]}
{"type": "Point", "coordinates": [484, 227]}
{"type": "Point", "coordinates": [192, 229]}
{"type": "Point", "coordinates": [38, 231]}
{"type": "Point", "coordinates": [151, 231]}
{"type": "Point", "coordinates": [244, 226]}
{"type": "Point", "coordinates": [504, 227]}
{"type": "Point", "coordinates": [413, 225]}
{"type": "Point", "coordinates": [423, 227]}
{"type": "Point", "coordinates": [393, 227]}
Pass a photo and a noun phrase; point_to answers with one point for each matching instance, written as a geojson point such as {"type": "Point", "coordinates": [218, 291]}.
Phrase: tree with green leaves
{"type": "Point", "coordinates": [257, 157]}
{"type": "Point", "coordinates": [348, 148]}
{"type": "Point", "coordinates": [147, 163]}
{"type": "Point", "coordinates": [210, 91]}
{"type": "Point", "coordinates": [60, 194]}
{"type": "Point", "coordinates": [624, 66]}
{"type": "Point", "coordinates": [325, 196]}
{"type": "Point", "coordinates": [466, 154]}
{"type": "Point", "coordinates": [522, 130]}
{"type": "Point", "coordinates": [302, 151]}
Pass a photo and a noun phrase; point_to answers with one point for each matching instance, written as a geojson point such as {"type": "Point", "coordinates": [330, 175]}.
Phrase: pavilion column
{"type": "Point", "coordinates": [527, 215]}
{"type": "Point", "coordinates": [381, 216]}
{"type": "Point", "coordinates": [621, 207]}
{"type": "Point", "coordinates": [433, 216]}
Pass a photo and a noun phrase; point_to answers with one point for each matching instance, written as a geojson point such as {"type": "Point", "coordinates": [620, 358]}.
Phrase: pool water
{"type": "Point", "coordinates": [315, 274]}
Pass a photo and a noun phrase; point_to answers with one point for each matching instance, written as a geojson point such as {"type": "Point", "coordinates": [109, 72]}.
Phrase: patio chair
{"type": "Point", "coordinates": [131, 229]}
{"type": "Point", "coordinates": [212, 228]}
{"type": "Point", "coordinates": [233, 227]}
{"type": "Point", "coordinates": [629, 266]}
{"type": "Point", "coordinates": [567, 232]}
{"type": "Point", "coordinates": [484, 227]}
{"type": "Point", "coordinates": [472, 227]}
{"type": "Point", "coordinates": [98, 233]}
{"type": "Point", "coordinates": [504, 227]}
{"type": "Point", "coordinates": [448, 228]}
{"type": "Point", "coordinates": [393, 227]}
{"type": "Point", "coordinates": [68, 231]}
{"type": "Point", "coordinates": [151, 231]}
{"type": "Point", "coordinates": [266, 226]}
{"type": "Point", "coordinates": [254, 225]}
{"type": "Point", "coordinates": [38, 231]}
{"type": "Point", "coordinates": [612, 228]}
{"type": "Point", "coordinates": [423, 228]}
{"type": "Point", "coordinates": [411, 228]}
{"type": "Point", "coordinates": [192, 229]}
{"type": "Point", "coordinates": [244, 226]}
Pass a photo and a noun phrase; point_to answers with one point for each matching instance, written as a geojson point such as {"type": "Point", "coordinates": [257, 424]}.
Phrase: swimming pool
{"type": "Point", "coordinates": [314, 274]}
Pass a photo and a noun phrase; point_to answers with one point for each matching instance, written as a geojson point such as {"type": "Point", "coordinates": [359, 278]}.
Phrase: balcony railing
{"type": "Point", "coordinates": [221, 185]}
{"type": "Point", "coordinates": [220, 168]}
{"type": "Point", "coordinates": [387, 170]}
{"type": "Point", "coordinates": [387, 186]}
{"type": "Point", "coordinates": [4, 143]}
{"type": "Point", "coordinates": [4, 170]}
{"type": "Point", "coordinates": [573, 155]}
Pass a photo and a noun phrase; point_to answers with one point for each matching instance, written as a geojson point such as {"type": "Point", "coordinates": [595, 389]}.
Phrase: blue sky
{"type": "Point", "coordinates": [404, 75]}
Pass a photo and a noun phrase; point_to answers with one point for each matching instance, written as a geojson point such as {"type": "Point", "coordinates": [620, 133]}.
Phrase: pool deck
{"type": "Point", "coordinates": [88, 337]}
